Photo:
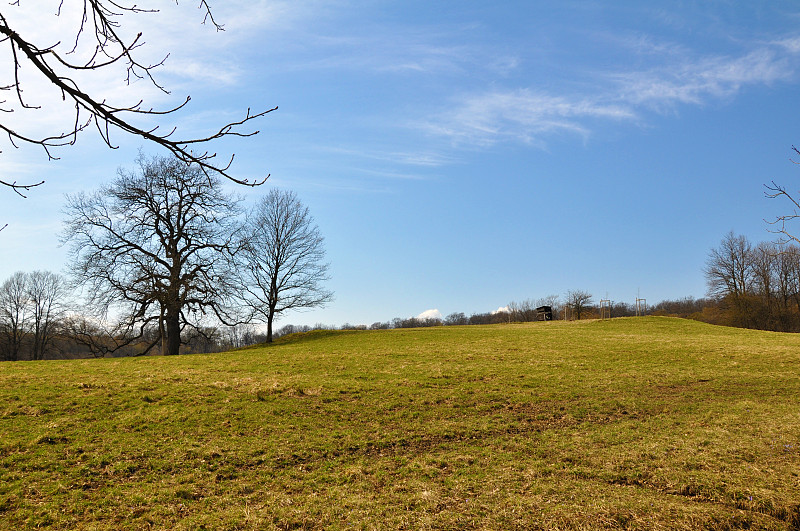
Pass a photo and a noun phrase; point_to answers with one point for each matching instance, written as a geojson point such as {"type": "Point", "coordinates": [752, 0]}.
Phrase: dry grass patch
{"type": "Point", "coordinates": [649, 423]}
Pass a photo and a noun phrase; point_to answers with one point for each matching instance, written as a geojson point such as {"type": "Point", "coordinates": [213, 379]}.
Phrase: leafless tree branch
{"type": "Point", "coordinates": [19, 188]}
{"type": "Point", "coordinates": [100, 22]}
{"type": "Point", "coordinates": [155, 245]}
{"type": "Point", "coordinates": [773, 191]}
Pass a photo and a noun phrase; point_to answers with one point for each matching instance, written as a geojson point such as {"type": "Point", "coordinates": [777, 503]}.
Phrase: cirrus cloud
{"type": "Point", "coordinates": [532, 116]}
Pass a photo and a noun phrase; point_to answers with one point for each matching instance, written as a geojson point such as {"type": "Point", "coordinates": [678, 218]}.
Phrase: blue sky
{"type": "Point", "coordinates": [460, 155]}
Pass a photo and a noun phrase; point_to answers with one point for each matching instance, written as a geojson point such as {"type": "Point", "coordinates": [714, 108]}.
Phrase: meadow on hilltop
{"type": "Point", "coordinates": [647, 422]}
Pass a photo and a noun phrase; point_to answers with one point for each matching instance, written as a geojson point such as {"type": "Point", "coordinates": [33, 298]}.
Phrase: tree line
{"type": "Point", "coordinates": [755, 285]}
{"type": "Point", "coordinates": [163, 261]}
{"type": "Point", "coordinates": [52, 325]}
{"type": "Point", "coordinates": [576, 305]}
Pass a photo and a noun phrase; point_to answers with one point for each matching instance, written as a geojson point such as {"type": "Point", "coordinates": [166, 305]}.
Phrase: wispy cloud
{"type": "Point", "coordinates": [708, 78]}
{"type": "Point", "coordinates": [422, 158]}
{"type": "Point", "coordinates": [521, 115]}
{"type": "Point", "coordinates": [791, 44]}
{"type": "Point", "coordinates": [533, 116]}
{"type": "Point", "coordinates": [369, 46]}
{"type": "Point", "coordinates": [405, 53]}
{"type": "Point", "coordinates": [208, 71]}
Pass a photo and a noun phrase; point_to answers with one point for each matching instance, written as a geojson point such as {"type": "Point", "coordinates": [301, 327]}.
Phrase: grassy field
{"type": "Point", "coordinates": [647, 423]}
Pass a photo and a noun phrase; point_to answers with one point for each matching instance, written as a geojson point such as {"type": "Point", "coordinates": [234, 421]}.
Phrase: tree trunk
{"type": "Point", "coordinates": [173, 332]}
{"type": "Point", "coordinates": [37, 341]}
{"type": "Point", "coordinates": [162, 332]}
{"type": "Point", "coordinates": [269, 327]}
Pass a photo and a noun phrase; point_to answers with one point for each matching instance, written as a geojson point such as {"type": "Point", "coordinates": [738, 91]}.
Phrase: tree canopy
{"type": "Point", "coordinates": [154, 246]}
{"type": "Point", "coordinates": [284, 257]}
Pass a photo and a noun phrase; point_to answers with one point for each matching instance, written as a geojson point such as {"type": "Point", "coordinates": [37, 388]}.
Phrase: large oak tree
{"type": "Point", "coordinates": [153, 249]}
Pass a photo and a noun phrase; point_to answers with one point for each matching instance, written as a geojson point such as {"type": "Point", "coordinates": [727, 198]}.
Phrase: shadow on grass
{"type": "Point", "coordinates": [300, 337]}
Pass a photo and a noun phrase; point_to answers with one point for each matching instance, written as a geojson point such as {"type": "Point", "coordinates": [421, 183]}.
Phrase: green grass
{"type": "Point", "coordinates": [648, 423]}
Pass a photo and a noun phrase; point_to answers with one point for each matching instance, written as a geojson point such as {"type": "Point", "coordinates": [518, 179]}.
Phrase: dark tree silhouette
{"type": "Point", "coordinates": [154, 245]}
{"type": "Point", "coordinates": [284, 255]}
{"type": "Point", "coordinates": [59, 64]}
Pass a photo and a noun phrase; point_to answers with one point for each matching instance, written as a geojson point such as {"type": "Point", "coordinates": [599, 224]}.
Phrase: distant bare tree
{"type": "Point", "coordinates": [284, 255]}
{"type": "Point", "coordinates": [787, 281]}
{"type": "Point", "coordinates": [14, 314]}
{"type": "Point", "coordinates": [237, 335]}
{"type": "Point", "coordinates": [154, 245]}
{"type": "Point", "coordinates": [683, 307]}
{"type": "Point", "coordinates": [99, 45]}
{"type": "Point", "coordinates": [550, 300]}
{"type": "Point", "coordinates": [578, 302]}
{"type": "Point", "coordinates": [730, 275]}
{"type": "Point", "coordinates": [524, 311]}
{"type": "Point", "coordinates": [205, 340]}
{"type": "Point", "coordinates": [456, 318]}
{"type": "Point", "coordinates": [765, 263]}
{"type": "Point", "coordinates": [729, 268]}
{"type": "Point", "coordinates": [47, 293]}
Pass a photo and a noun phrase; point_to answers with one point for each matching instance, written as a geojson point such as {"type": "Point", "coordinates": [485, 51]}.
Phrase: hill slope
{"type": "Point", "coordinates": [648, 422]}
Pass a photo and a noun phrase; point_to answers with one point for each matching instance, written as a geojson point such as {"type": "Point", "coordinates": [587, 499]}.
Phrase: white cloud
{"type": "Point", "coordinates": [430, 314]}
{"type": "Point", "coordinates": [712, 77]}
{"type": "Point", "coordinates": [791, 44]}
{"type": "Point", "coordinates": [243, 17]}
{"type": "Point", "coordinates": [501, 309]}
{"type": "Point", "coordinates": [521, 115]}
{"type": "Point", "coordinates": [530, 116]}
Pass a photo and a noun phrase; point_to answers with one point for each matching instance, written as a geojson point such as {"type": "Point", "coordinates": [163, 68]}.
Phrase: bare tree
{"type": "Point", "coordinates": [285, 257]}
{"type": "Point", "coordinates": [787, 280]}
{"type": "Point", "coordinates": [456, 318]}
{"type": "Point", "coordinates": [729, 268]}
{"type": "Point", "coordinates": [14, 313]}
{"type": "Point", "coordinates": [47, 293]}
{"type": "Point", "coordinates": [92, 336]}
{"type": "Point", "coordinates": [578, 301]}
{"type": "Point", "coordinates": [154, 246]}
{"type": "Point", "coordinates": [522, 311]}
{"type": "Point", "coordinates": [765, 265]}
{"type": "Point", "coordinates": [730, 275]}
{"type": "Point", "coordinates": [99, 44]}
{"type": "Point", "coordinates": [236, 336]}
